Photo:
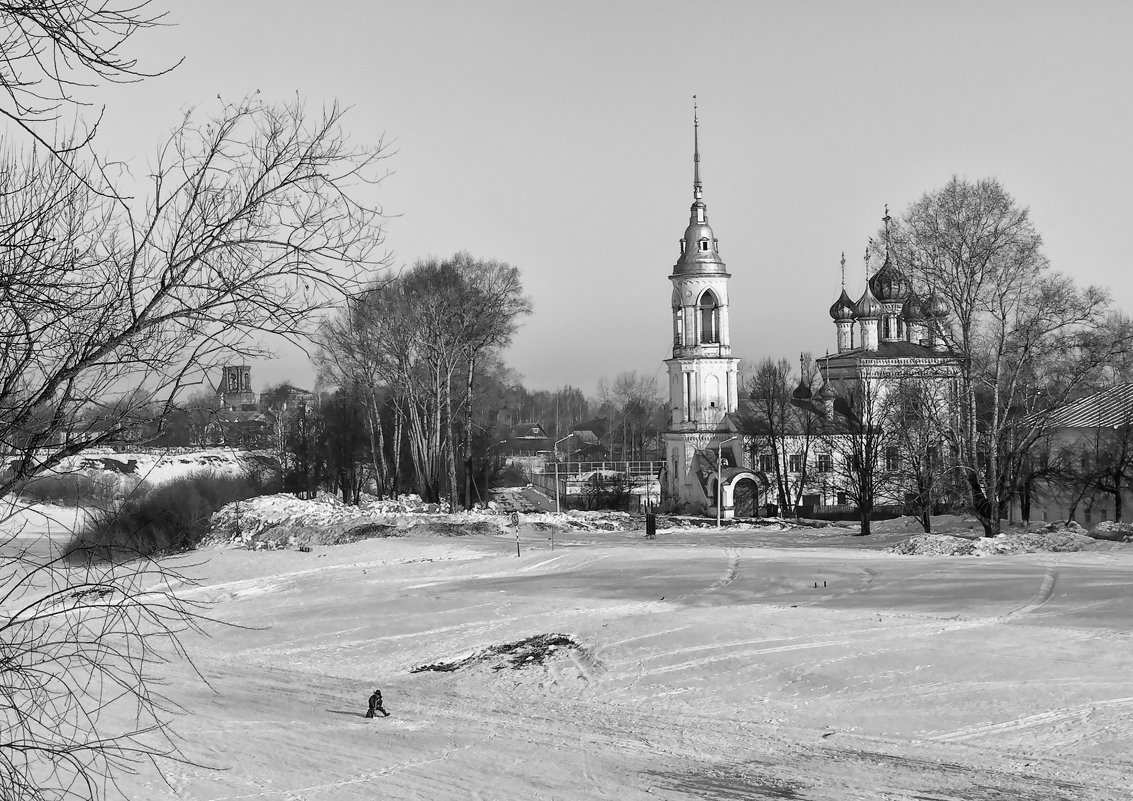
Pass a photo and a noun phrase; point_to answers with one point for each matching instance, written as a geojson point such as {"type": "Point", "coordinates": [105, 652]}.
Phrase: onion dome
{"type": "Point", "coordinates": [889, 284]}
{"type": "Point", "coordinates": [913, 309]}
{"type": "Point", "coordinates": [843, 308]}
{"type": "Point", "coordinates": [868, 307]}
{"type": "Point", "coordinates": [802, 391]}
{"type": "Point", "coordinates": [936, 307]}
{"type": "Point", "coordinates": [825, 392]}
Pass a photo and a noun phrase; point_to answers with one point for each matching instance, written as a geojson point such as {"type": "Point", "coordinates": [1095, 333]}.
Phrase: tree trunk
{"type": "Point", "coordinates": [450, 447]}
{"type": "Point", "coordinates": [468, 432]}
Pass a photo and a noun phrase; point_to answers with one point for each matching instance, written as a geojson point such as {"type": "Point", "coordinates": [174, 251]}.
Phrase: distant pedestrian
{"type": "Point", "coordinates": [376, 705]}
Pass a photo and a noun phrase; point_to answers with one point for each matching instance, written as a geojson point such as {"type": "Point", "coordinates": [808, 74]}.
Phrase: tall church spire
{"type": "Point", "coordinates": [699, 248]}
{"type": "Point", "coordinates": [697, 190]}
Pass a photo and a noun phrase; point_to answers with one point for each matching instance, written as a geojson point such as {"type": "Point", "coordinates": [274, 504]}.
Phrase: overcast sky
{"type": "Point", "coordinates": [557, 136]}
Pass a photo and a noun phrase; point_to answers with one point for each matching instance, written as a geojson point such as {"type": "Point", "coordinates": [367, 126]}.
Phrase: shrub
{"type": "Point", "coordinates": [167, 518]}
{"type": "Point", "coordinates": [73, 489]}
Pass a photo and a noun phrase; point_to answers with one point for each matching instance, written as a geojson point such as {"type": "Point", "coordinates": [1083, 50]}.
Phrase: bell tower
{"type": "Point", "coordinates": [703, 375]}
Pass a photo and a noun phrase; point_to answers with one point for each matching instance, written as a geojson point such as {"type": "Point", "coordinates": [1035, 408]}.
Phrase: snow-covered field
{"type": "Point", "coordinates": [743, 664]}
{"type": "Point", "coordinates": [770, 662]}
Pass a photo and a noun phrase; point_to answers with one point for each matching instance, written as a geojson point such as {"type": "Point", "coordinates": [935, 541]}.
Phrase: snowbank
{"type": "Point", "coordinates": [1054, 540]}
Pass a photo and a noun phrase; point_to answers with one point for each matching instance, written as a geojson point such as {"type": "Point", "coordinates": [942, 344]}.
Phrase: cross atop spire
{"type": "Point", "coordinates": [697, 192]}
{"type": "Point", "coordinates": [886, 219]}
{"type": "Point", "coordinates": [843, 272]}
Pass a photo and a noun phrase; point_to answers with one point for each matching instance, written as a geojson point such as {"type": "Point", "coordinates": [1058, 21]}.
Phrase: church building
{"type": "Point", "coordinates": [703, 374]}
{"type": "Point", "coordinates": [711, 464]}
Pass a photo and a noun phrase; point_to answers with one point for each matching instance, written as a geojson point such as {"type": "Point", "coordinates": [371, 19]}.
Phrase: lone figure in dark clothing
{"type": "Point", "coordinates": [376, 705]}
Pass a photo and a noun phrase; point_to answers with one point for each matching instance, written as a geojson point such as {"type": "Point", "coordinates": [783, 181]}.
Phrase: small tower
{"type": "Point", "coordinates": [235, 388]}
{"type": "Point", "coordinates": [703, 375]}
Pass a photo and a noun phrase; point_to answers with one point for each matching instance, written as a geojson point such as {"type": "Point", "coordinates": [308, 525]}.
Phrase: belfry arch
{"type": "Point", "coordinates": [708, 317]}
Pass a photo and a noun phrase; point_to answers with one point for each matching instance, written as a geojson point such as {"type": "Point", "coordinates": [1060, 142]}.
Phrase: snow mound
{"type": "Point", "coordinates": [277, 521]}
{"type": "Point", "coordinates": [1116, 532]}
{"type": "Point", "coordinates": [935, 545]}
{"type": "Point", "coordinates": [1058, 540]}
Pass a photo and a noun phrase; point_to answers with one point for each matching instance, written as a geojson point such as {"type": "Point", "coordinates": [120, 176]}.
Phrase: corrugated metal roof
{"type": "Point", "coordinates": [1109, 408]}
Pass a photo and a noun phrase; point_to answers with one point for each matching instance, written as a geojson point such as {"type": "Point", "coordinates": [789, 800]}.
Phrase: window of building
{"type": "Point", "coordinates": [795, 462]}
{"type": "Point", "coordinates": [892, 459]}
{"type": "Point", "coordinates": [825, 463]}
{"type": "Point", "coordinates": [932, 456]}
{"type": "Point", "coordinates": [1089, 515]}
{"type": "Point", "coordinates": [709, 318]}
{"type": "Point", "coordinates": [843, 499]}
{"type": "Point", "coordinates": [704, 245]}
{"type": "Point", "coordinates": [766, 463]}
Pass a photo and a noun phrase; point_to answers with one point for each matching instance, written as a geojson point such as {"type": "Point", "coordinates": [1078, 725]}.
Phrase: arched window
{"type": "Point", "coordinates": [704, 246]}
{"type": "Point", "coordinates": [709, 317]}
{"type": "Point", "coordinates": [678, 326]}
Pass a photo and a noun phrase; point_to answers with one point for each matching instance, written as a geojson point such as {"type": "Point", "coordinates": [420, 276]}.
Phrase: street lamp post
{"type": "Point", "coordinates": [558, 507]}
{"type": "Point", "coordinates": [720, 480]}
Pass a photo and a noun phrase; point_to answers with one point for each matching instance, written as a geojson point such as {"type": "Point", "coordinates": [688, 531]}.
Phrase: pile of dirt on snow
{"type": "Point", "coordinates": [1054, 541]}
{"type": "Point", "coordinates": [516, 655]}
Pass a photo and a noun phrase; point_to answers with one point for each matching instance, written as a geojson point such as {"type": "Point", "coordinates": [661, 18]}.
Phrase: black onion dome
{"type": "Point", "coordinates": [868, 307]}
{"type": "Point", "coordinates": [802, 391]}
{"type": "Point", "coordinates": [843, 308]}
{"type": "Point", "coordinates": [936, 306]}
{"type": "Point", "coordinates": [889, 284]}
{"type": "Point", "coordinates": [913, 309]}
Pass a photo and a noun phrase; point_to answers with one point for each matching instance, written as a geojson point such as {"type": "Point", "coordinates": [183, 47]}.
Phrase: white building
{"type": "Point", "coordinates": [707, 458]}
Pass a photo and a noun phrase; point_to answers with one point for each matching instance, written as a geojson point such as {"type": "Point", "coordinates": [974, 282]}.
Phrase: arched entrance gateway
{"type": "Point", "coordinates": [745, 498]}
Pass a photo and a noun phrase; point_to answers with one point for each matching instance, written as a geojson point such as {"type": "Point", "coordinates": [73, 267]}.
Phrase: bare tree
{"type": "Point", "coordinates": [81, 647]}
{"type": "Point", "coordinates": [53, 50]}
{"type": "Point", "coordinates": [1026, 337]}
{"type": "Point", "coordinates": [634, 402]}
{"type": "Point", "coordinates": [783, 423]}
{"type": "Point", "coordinates": [488, 319]}
{"type": "Point", "coordinates": [918, 410]}
{"type": "Point", "coordinates": [861, 440]}
{"type": "Point", "coordinates": [421, 336]}
{"type": "Point", "coordinates": [250, 227]}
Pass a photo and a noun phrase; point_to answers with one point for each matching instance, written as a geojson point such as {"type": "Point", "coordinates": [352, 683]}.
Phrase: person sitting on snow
{"type": "Point", "coordinates": [376, 705]}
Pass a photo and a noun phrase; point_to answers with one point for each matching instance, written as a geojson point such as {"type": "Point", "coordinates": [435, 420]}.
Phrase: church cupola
{"type": "Point", "coordinates": [890, 286]}
{"type": "Point", "coordinates": [802, 391]}
{"type": "Point", "coordinates": [913, 313]}
{"type": "Point", "coordinates": [700, 252]}
{"type": "Point", "coordinates": [867, 312]}
{"type": "Point", "coordinates": [842, 313]}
